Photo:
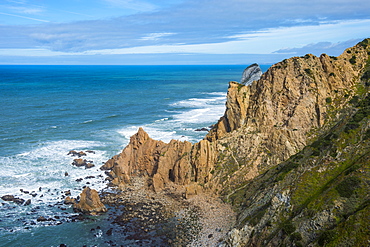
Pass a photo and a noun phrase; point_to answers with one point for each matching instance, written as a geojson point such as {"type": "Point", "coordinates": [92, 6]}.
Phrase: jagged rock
{"type": "Point", "coordinates": [251, 73]}
{"type": "Point", "coordinates": [89, 203]}
{"type": "Point", "coordinates": [41, 218]}
{"type": "Point", "coordinates": [79, 162]}
{"type": "Point", "coordinates": [75, 153]}
{"type": "Point", "coordinates": [8, 198]}
{"type": "Point", "coordinates": [11, 198]}
{"type": "Point", "coordinates": [69, 200]}
{"type": "Point", "coordinates": [83, 162]}
{"type": "Point", "coordinates": [28, 202]}
{"type": "Point", "coordinates": [176, 162]}
{"type": "Point", "coordinates": [202, 129]}
{"type": "Point", "coordinates": [89, 165]}
{"type": "Point", "coordinates": [273, 118]}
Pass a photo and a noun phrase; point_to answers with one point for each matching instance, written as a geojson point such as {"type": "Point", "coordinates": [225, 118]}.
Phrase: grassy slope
{"type": "Point", "coordinates": [321, 195]}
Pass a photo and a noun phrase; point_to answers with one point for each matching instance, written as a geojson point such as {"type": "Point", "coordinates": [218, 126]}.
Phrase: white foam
{"type": "Point", "coordinates": [184, 117]}
{"type": "Point", "coordinates": [45, 166]}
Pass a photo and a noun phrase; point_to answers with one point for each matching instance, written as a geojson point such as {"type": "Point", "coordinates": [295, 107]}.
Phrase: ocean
{"type": "Point", "coordinates": [46, 111]}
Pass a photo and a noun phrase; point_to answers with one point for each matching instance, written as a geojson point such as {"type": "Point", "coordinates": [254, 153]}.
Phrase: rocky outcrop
{"type": "Point", "coordinates": [264, 124]}
{"type": "Point", "coordinates": [275, 117]}
{"type": "Point", "coordinates": [89, 203]}
{"type": "Point", "coordinates": [291, 154]}
{"type": "Point", "coordinates": [83, 162]}
{"type": "Point", "coordinates": [164, 164]}
{"type": "Point", "coordinates": [251, 73]}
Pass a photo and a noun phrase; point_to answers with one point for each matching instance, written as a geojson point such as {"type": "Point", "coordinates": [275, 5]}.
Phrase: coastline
{"type": "Point", "coordinates": [166, 218]}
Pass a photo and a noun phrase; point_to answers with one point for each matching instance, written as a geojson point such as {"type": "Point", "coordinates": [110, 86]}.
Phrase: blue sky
{"type": "Point", "coordinates": [177, 31]}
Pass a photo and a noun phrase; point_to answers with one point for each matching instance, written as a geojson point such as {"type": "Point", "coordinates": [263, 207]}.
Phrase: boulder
{"type": "Point", "coordinates": [82, 162]}
{"type": "Point", "coordinates": [89, 203]}
{"type": "Point", "coordinates": [69, 200]}
{"type": "Point", "coordinates": [75, 153]}
{"type": "Point", "coordinates": [79, 162]}
{"type": "Point", "coordinates": [11, 198]}
{"type": "Point", "coordinates": [89, 165]}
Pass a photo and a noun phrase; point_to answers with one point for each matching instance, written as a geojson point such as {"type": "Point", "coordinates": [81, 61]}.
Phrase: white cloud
{"type": "Point", "coordinates": [260, 42]}
{"type": "Point", "coordinates": [155, 36]}
{"type": "Point", "coordinates": [24, 17]}
{"type": "Point", "coordinates": [136, 5]}
{"type": "Point", "coordinates": [35, 52]}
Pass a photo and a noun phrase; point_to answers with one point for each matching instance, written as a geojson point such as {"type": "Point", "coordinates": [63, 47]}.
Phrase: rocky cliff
{"type": "Point", "coordinates": [165, 165]}
{"type": "Point", "coordinates": [286, 143]}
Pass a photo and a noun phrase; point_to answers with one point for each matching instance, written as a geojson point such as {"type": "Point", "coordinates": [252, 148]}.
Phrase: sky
{"type": "Point", "coordinates": [154, 32]}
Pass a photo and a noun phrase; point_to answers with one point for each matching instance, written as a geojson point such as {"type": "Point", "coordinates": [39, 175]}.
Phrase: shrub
{"type": "Point", "coordinates": [352, 60]}
{"type": "Point", "coordinates": [288, 227]}
{"type": "Point", "coordinates": [296, 236]}
{"type": "Point", "coordinates": [348, 186]}
{"type": "Point", "coordinates": [328, 100]}
{"type": "Point", "coordinates": [326, 237]}
{"type": "Point", "coordinates": [308, 71]}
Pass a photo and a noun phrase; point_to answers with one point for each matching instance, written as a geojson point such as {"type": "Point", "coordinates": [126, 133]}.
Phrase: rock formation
{"type": "Point", "coordinates": [89, 203]}
{"type": "Point", "coordinates": [251, 73]}
{"type": "Point", "coordinates": [165, 164]}
{"type": "Point", "coordinates": [269, 145]}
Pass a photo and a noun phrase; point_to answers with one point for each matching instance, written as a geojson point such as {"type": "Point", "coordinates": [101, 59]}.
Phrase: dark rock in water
{"type": "Point", "coordinates": [28, 202]}
{"type": "Point", "coordinates": [41, 218]}
{"type": "Point", "coordinates": [69, 200]}
{"type": "Point", "coordinates": [202, 129]}
{"type": "Point", "coordinates": [75, 153]}
{"type": "Point", "coordinates": [79, 179]}
{"type": "Point", "coordinates": [11, 198]}
{"type": "Point", "coordinates": [79, 162]}
{"type": "Point", "coordinates": [89, 165]}
{"type": "Point", "coordinates": [66, 174]}
{"type": "Point", "coordinates": [82, 162]}
{"type": "Point", "coordinates": [90, 151]}
{"type": "Point", "coordinates": [8, 198]}
{"type": "Point", "coordinates": [250, 74]}
{"type": "Point", "coordinates": [62, 245]}
{"type": "Point", "coordinates": [109, 232]}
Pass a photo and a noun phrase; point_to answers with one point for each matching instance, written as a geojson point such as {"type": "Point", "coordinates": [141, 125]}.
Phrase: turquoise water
{"type": "Point", "coordinates": [47, 111]}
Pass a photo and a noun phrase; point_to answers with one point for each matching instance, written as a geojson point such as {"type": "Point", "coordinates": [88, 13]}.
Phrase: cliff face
{"type": "Point", "coordinates": [307, 105]}
{"type": "Point", "coordinates": [165, 165]}
{"type": "Point", "coordinates": [264, 124]}
{"type": "Point", "coordinates": [273, 118]}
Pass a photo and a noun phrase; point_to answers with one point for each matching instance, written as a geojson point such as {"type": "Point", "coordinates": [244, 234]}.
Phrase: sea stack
{"type": "Point", "coordinates": [251, 73]}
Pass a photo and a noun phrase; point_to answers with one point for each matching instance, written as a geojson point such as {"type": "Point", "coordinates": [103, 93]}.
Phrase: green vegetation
{"type": "Point", "coordinates": [352, 60]}
{"type": "Point", "coordinates": [348, 186]}
{"type": "Point", "coordinates": [309, 72]}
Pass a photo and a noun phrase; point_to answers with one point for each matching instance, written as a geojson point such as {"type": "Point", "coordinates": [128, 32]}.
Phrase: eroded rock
{"type": "Point", "coordinates": [89, 203]}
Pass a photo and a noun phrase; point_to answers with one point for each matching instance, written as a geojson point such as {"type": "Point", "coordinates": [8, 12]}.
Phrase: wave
{"type": "Point", "coordinates": [48, 166]}
{"type": "Point", "coordinates": [183, 118]}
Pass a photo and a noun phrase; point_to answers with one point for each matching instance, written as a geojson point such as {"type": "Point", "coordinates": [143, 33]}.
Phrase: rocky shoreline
{"type": "Point", "coordinates": [166, 218]}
